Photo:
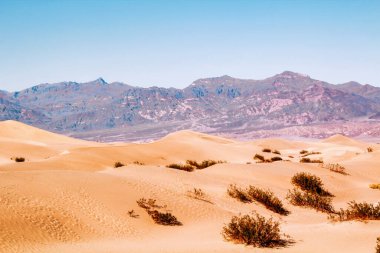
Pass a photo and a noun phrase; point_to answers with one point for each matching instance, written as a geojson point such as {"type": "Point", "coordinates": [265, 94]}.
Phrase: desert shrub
{"type": "Point", "coordinates": [310, 183]}
{"type": "Point", "coordinates": [358, 211]}
{"type": "Point", "coordinates": [308, 160]}
{"type": "Point", "coordinates": [290, 156]}
{"type": "Point", "coordinates": [306, 199]}
{"type": "Point", "coordinates": [133, 214]}
{"type": "Point", "coordinates": [204, 164]}
{"type": "Point", "coordinates": [166, 219]}
{"type": "Point", "coordinates": [138, 163]}
{"type": "Point", "coordinates": [148, 204]}
{"type": "Point", "coordinates": [19, 159]}
{"type": "Point", "coordinates": [336, 168]}
{"type": "Point", "coordinates": [374, 186]}
{"type": "Point", "coordinates": [185, 167]}
{"type": "Point", "coordinates": [276, 158]}
{"type": "Point", "coordinates": [259, 157]}
{"type": "Point", "coordinates": [238, 193]}
{"type": "Point", "coordinates": [378, 245]}
{"type": "Point", "coordinates": [311, 153]}
{"type": "Point", "coordinates": [254, 230]}
{"type": "Point", "coordinates": [276, 152]}
{"type": "Point", "coordinates": [302, 152]}
{"type": "Point", "coordinates": [118, 164]}
{"type": "Point", "coordinates": [268, 199]}
{"type": "Point", "coordinates": [369, 149]}
{"type": "Point", "coordinates": [199, 194]}
{"type": "Point", "coordinates": [267, 150]}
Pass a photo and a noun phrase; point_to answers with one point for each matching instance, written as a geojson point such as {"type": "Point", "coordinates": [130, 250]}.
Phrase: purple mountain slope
{"type": "Point", "coordinates": [224, 105]}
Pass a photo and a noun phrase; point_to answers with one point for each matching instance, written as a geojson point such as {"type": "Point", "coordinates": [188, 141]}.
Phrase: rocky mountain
{"type": "Point", "coordinates": [225, 105]}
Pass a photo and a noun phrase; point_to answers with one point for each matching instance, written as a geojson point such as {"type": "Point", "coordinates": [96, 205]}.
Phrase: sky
{"type": "Point", "coordinates": [172, 43]}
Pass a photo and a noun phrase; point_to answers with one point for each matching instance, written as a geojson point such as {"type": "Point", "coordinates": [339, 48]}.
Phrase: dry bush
{"type": "Point", "coordinates": [310, 153]}
{"type": "Point", "coordinates": [302, 152]}
{"type": "Point", "coordinates": [276, 158]}
{"type": "Point", "coordinates": [166, 219]}
{"type": "Point", "coordinates": [374, 186]}
{"type": "Point", "coordinates": [336, 168]}
{"type": "Point", "coordinates": [369, 149]}
{"type": "Point", "coordinates": [259, 157]}
{"type": "Point", "coordinates": [199, 194]}
{"type": "Point", "coordinates": [276, 152]}
{"type": "Point", "coordinates": [148, 204]}
{"type": "Point", "coordinates": [310, 183]}
{"type": "Point", "coordinates": [378, 245]}
{"type": "Point", "coordinates": [266, 150]}
{"type": "Point", "coordinates": [19, 159]}
{"type": "Point", "coordinates": [185, 167]}
{"type": "Point", "coordinates": [306, 199]}
{"type": "Point", "coordinates": [358, 211]}
{"type": "Point", "coordinates": [204, 164]}
{"type": "Point", "coordinates": [133, 214]}
{"type": "Point", "coordinates": [268, 199]}
{"type": "Point", "coordinates": [308, 160]}
{"type": "Point", "coordinates": [255, 230]}
{"type": "Point", "coordinates": [138, 163]}
{"type": "Point", "coordinates": [118, 164]}
{"type": "Point", "coordinates": [238, 193]}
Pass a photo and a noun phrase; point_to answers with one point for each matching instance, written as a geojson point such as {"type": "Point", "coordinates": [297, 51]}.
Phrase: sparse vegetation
{"type": "Point", "coordinates": [259, 157]}
{"type": "Point", "coordinates": [308, 160]}
{"type": "Point", "coordinates": [302, 152]}
{"type": "Point", "coordinates": [162, 218]}
{"type": "Point", "coordinates": [374, 186]}
{"type": "Point", "coordinates": [276, 158]}
{"type": "Point", "coordinates": [309, 153]}
{"type": "Point", "coordinates": [19, 159]}
{"type": "Point", "coordinates": [192, 165]}
{"type": "Point", "coordinates": [268, 199]}
{"type": "Point", "coordinates": [335, 168]}
{"type": "Point", "coordinates": [118, 164]}
{"type": "Point", "coordinates": [199, 194]}
{"type": "Point", "coordinates": [276, 152]}
{"type": "Point", "coordinates": [358, 211]}
{"type": "Point", "coordinates": [369, 149]}
{"type": "Point", "coordinates": [133, 214]}
{"type": "Point", "coordinates": [238, 193]}
{"type": "Point", "coordinates": [310, 183]}
{"type": "Point", "coordinates": [138, 163]}
{"type": "Point", "coordinates": [254, 230]}
{"type": "Point", "coordinates": [307, 199]}
{"type": "Point", "coordinates": [378, 245]}
{"type": "Point", "coordinates": [266, 150]}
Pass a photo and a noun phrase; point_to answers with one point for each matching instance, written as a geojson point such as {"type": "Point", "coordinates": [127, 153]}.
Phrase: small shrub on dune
{"type": "Point", "coordinates": [266, 150]}
{"type": "Point", "coordinates": [275, 158]}
{"type": "Point", "coordinates": [166, 219]}
{"type": "Point", "coordinates": [310, 183]}
{"type": "Point", "coordinates": [138, 163]}
{"type": "Point", "coordinates": [306, 199]}
{"type": "Point", "coordinates": [19, 159]}
{"type": "Point", "coordinates": [302, 152]}
{"type": "Point", "coordinates": [369, 149]}
{"type": "Point", "coordinates": [259, 158]}
{"type": "Point", "coordinates": [238, 193]}
{"type": "Point", "coordinates": [358, 211]}
{"type": "Point", "coordinates": [204, 164]}
{"type": "Point", "coordinates": [268, 199]}
{"type": "Point", "coordinates": [374, 186]}
{"type": "Point", "coordinates": [254, 230]}
{"type": "Point", "coordinates": [378, 245]}
{"type": "Point", "coordinates": [118, 164]}
{"type": "Point", "coordinates": [184, 167]}
{"type": "Point", "coordinates": [336, 168]}
{"type": "Point", "coordinates": [308, 160]}
{"type": "Point", "coordinates": [133, 214]}
{"type": "Point", "coordinates": [276, 152]}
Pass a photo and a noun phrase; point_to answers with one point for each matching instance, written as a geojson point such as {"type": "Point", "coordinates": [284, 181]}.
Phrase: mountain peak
{"type": "Point", "coordinates": [100, 81]}
{"type": "Point", "coordinates": [290, 74]}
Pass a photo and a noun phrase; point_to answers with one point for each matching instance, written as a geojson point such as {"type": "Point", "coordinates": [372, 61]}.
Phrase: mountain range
{"type": "Point", "coordinates": [287, 104]}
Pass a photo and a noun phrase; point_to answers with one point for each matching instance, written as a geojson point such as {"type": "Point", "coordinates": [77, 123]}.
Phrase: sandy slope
{"type": "Point", "coordinates": [68, 197]}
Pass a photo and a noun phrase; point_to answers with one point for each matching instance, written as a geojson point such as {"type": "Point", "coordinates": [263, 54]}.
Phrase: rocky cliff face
{"type": "Point", "coordinates": [221, 104]}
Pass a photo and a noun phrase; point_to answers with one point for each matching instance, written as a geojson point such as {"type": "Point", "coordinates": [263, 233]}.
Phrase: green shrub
{"type": "Point", "coordinates": [185, 167]}
{"type": "Point", "coordinates": [358, 211]}
{"type": "Point", "coordinates": [267, 150]}
{"type": "Point", "coordinates": [310, 183]}
{"type": "Point", "coordinates": [19, 159]}
{"type": "Point", "coordinates": [306, 199]}
{"type": "Point", "coordinates": [268, 199]}
{"type": "Point", "coordinates": [254, 230]}
{"type": "Point", "coordinates": [238, 193]}
{"type": "Point", "coordinates": [276, 158]}
{"type": "Point", "coordinates": [118, 164]}
{"type": "Point", "coordinates": [259, 157]}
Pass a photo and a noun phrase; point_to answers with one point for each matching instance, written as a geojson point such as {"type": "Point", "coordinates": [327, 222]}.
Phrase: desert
{"type": "Point", "coordinates": [67, 196]}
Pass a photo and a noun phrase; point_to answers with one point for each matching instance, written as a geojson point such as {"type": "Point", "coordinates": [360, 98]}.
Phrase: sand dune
{"type": "Point", "coordinates": [67, 197]}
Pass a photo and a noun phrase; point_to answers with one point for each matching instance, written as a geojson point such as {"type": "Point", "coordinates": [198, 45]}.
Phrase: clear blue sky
{"type": "Point", "coordinates": [172, 43]}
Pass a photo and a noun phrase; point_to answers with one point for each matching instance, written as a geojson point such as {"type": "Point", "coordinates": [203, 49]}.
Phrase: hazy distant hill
{"type": "Point", "coordinates": [116, 111]}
